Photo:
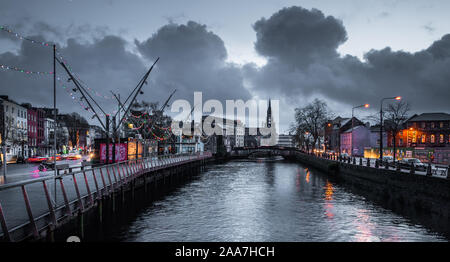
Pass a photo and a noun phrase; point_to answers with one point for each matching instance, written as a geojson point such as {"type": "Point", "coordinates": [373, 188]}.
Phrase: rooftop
{"type": "Point", "coordinates": [430, 117]}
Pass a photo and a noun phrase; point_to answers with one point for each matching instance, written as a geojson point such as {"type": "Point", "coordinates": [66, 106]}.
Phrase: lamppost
{"type": "Point", "coordinates": [353, 109]}
{"type": "Point", "coordinates": [398, 98]}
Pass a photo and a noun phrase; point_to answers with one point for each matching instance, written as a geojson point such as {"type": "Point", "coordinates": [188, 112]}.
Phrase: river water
{"type": "Point", "coordinates": [268, 201]}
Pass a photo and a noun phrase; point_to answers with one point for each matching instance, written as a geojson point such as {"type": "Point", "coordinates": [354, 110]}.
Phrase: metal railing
{"type": "Point", "coordinates": [439, 171]}
{"type": "Point", "coordinates": [47, 212]}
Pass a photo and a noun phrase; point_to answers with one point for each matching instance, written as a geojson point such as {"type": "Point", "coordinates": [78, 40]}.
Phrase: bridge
{"type": "Point", "coordinates": [264, 151]}
{"type": "Point", "coordinates": [34, 209]}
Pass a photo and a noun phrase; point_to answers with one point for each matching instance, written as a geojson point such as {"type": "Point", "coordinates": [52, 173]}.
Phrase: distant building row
{"type": "Point", "coordinates": [29, 131]}
{"type": "Point", "coordinates": [425, 136]}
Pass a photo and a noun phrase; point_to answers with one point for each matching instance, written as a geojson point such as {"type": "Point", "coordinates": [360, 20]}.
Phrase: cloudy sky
{"type": "Point", "coordinates": [346, 52]}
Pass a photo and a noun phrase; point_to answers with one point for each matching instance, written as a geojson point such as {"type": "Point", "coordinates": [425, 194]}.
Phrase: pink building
{"type": "Point", "coordinates": [361, 140]}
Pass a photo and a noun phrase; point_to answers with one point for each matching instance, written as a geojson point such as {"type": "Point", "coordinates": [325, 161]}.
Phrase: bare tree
{"type": "Point", "coordinates": [310, 121]}
{"type": "Point", "coordinates": [396, 115]}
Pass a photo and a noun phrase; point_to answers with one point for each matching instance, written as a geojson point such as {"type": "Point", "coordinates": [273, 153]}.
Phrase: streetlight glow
{"type": "Point", "coordinates": [398, 98]}
{"type": "Point", "coordinates": [366, 105]}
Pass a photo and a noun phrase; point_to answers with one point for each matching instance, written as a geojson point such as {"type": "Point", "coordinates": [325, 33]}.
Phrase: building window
{"type": "Point", "coordinates": [441, 124]}
{"type": "Point", "coordinates": [441, 138]}
{"type": "Point", "coordinates": [423, 124]}
{"type": "Point", "coordinates": [433, 139]}
{"type": "Point", "coordinates": [400, 142]}
{"type": "Point", "coordinates": [432, 124]}
{"type": "Point", "coordinates": [424, 139]}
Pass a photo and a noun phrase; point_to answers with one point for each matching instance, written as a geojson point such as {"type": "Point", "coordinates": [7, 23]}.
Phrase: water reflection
{"type": "Point", "coordinates": [328, 200]}
{"type": "Point", "coordinates": [277, 201]}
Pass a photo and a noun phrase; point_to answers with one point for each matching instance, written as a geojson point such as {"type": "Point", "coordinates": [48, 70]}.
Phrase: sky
{"type": "Point", "coordinates": [346, 52]}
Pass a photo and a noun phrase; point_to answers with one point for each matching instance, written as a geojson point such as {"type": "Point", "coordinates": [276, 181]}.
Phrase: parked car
{"type": "Point", "coordinates": [345, 155]}
{"type": "Point", "coordinates": [388, 159]}
{"type": "Point", "coordinates": [406, 163]}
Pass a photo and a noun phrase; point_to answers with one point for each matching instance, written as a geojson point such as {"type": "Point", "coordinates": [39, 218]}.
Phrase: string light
{"type": "Point", "coordinates": [24, 70]}
{"type": "Point", "coordinates": [21, 37]}
{"type": "Point", "coordinates": [78, 78]}
{"type": "Point", "coordinates": [46, 44]}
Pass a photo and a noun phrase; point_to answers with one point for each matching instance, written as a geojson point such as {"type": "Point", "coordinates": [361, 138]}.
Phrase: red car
{"type": "Point", "coordinates": [36, 159]}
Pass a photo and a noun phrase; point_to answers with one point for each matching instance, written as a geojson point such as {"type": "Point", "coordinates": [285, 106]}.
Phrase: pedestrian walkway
{"type": "Point", "coordinates": [28, 202]}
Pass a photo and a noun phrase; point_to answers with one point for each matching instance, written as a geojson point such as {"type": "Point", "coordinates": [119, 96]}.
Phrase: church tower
{"type": "Point", "coordinates": [269, 116]}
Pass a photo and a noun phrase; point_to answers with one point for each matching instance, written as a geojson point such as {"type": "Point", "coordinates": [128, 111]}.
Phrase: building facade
{"type": "Point", "coordinates": [428, 136]}
{"type": "Point", "coordinates": [285, 140]}
{"type": "Point", "coordinates": [49, 136]}
{"type": "Point", "coordinates": [361, 140]}
{"type": "Point", "coordinates": [14, 127]}
{"type": "Point", "coordinates": [333, 130]}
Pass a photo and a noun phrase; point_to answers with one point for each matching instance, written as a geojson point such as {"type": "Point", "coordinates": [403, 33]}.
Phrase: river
{"type": "Point", "coordinates": [267, 201]}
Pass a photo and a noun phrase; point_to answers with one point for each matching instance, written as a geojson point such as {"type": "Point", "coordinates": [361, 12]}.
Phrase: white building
{"type": "Point", "coordinates": [49, 131]}
{"type": "Point", "coordinates": [15, 128]}
{"type": "Point", "coordinates": [285, 141]}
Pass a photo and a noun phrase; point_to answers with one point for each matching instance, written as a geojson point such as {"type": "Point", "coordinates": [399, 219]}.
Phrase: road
{"type": "Point", "coordinates": [19, 172]}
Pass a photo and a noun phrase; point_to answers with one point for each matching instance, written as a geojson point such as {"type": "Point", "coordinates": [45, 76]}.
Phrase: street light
{"type": "Point", "coordinates": [353, 109]}
{"type": "Point", "coordinates": [398, 98]}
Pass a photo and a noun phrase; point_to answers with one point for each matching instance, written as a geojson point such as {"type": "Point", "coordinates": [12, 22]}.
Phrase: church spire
{"type": "Point", "coordinates": [269, 116]}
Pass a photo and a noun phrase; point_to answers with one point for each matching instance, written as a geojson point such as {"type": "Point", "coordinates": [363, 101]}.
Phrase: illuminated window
{"type": "Point", "coordinates": [433, 139]}
{"type": "Point", "coordinates": [441, 124]}
{"type": "Point", "coordinates": [432, 124]}
{"type": "Point", "coordinates": [441, 138]}
{"type": "Point", "coordinates": [424, 139]}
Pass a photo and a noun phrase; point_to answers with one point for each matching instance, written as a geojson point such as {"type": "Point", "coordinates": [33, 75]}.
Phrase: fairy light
{"type": "Point", "coordinates": [25, 71]}
{"type": "Point", "coordinates": [21, 37]}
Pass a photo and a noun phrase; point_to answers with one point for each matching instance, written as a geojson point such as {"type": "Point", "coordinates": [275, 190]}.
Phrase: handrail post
{"type": "Point", "coordinates": [30, 213]}
{"type": "Point", "coordinates": [118, 173]}
{"type": "Point", "coordinates": [124, 174]}
{"type": "Point", "coordinates": [111, 185]}
{"type": "Point", "coordinates": [96, 184]}
{"type": "Point", "coordinates": [103, 180]}
{"type": "Point", "coordinates": [50, 205]}
{"type": "Point", "coordinates": [91, 200]}
{"type": "Point", "coordinates": [6, 234]}
{"type": "Point", "coordinates": [66, 200]}
{"type": "Point", "coordinates": [80, 201]}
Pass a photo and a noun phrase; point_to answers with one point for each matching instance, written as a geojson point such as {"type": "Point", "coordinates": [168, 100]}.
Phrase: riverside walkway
{"type": "Point", "coordinates": [34, 207]}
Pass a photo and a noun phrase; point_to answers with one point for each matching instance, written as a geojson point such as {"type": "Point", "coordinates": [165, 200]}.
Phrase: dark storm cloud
{"type": "Point", "coordinates": [104, 64]}
{"type": "Point", "coordinates": [302, 49]}
{"type": "Point", "coordinates": [298, 36]}
{"type": "Point", "coordinates": [193, 59]}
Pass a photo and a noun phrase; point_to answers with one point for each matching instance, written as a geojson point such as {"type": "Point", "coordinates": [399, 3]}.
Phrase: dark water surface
{"type": "Point", "coordinates": [268, 201]}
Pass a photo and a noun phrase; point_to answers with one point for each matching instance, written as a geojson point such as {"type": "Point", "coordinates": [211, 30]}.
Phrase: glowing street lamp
{"type": "Point", "coordinates": [398, 98]}
{"type": "Point", "coordinates": [365, 106]}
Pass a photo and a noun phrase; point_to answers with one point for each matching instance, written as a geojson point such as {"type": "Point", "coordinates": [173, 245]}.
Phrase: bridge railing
{"type": "Point", "coordinates": [32, 206]}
